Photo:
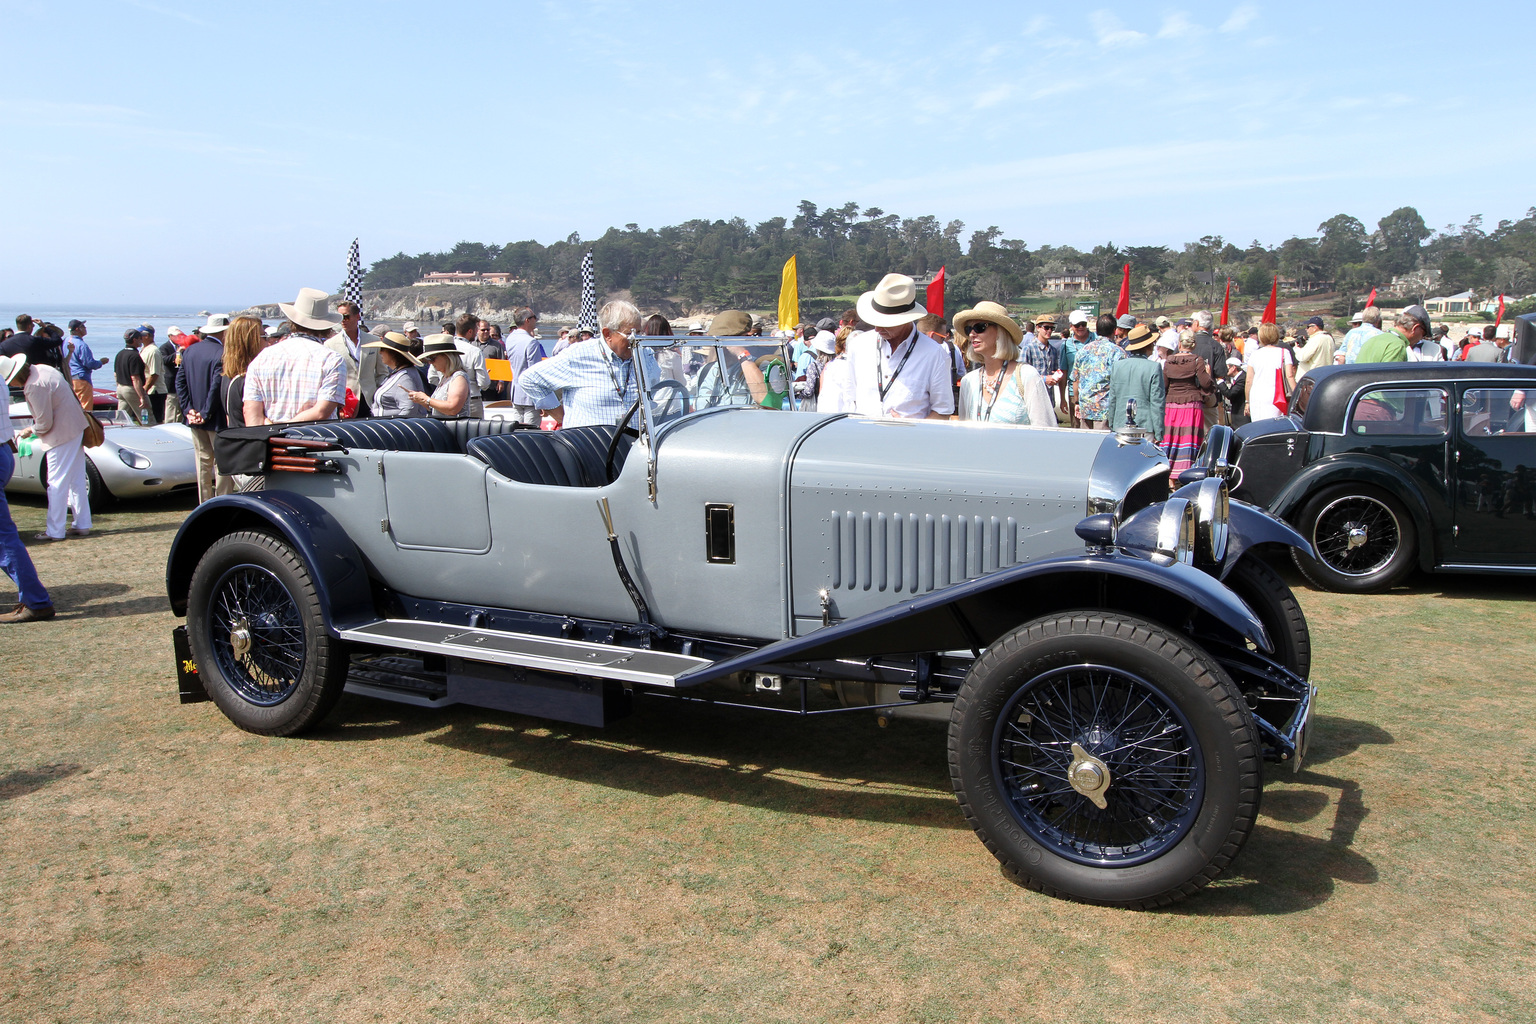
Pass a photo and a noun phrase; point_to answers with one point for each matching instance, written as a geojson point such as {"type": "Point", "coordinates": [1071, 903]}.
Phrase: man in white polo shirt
{"type": "Point", "coordinates": [898, 371]}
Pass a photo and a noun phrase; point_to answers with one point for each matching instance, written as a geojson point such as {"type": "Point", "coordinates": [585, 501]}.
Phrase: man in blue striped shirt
{"type": "Point", "coordinates": [594, 382]}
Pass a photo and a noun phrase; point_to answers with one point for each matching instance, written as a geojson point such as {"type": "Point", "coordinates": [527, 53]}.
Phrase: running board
{"type": "Point", "coordinates": [548, 654]}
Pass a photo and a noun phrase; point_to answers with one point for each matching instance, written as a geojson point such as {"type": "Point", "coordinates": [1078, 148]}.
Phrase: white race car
{"type": "Point", "coordinates": [132, 461]}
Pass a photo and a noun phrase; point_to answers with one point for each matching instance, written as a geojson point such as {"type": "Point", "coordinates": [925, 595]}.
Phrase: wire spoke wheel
{"type": "Point", "coordinates": [1365, 539]}
{"type": "Point", "coordinates": [1104, 758]}
{"type": "Point", "coordinates": [1155, 769]}
{"type": "Point", "coordinates": [258, 635]}
{"type": "Point", "coordinates": [1357, 535]}
{"type": "Point", "coordinates": [259, 638]}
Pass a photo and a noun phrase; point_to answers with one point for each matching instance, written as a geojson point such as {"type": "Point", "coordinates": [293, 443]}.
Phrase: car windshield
{"type": "Point", "coordinates": [696, 373]}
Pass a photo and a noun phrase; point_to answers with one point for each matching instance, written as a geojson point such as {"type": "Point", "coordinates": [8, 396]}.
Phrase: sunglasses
{"type": "Point", "coordinates": [978, 328]}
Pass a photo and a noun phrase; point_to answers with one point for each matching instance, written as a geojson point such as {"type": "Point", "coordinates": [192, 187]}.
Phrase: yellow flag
{"type": "Point", "coordinates": [789, 298]}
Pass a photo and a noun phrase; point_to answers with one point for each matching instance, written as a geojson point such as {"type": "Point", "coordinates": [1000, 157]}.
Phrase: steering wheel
{"type": "Point", "coordinates": [613, 444]}
{"type": "Point", "coordinates": [682, 396]}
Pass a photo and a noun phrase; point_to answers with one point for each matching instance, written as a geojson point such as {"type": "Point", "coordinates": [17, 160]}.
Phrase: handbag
{"type": "Point", "coordinates": [1282, 400]}
{"type": "Point", "coordinates": [94, 434]}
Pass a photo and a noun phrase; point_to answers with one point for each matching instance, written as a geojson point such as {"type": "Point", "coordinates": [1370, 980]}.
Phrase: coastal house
{"type": "Point", "coordinates": [479, 278]}
{"type": "Point", "coordinates": [1443, 305]}
{"type": "Point", "coordinates": [1067, 282]}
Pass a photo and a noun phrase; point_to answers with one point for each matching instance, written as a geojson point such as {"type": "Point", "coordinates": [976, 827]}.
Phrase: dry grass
{"type": "Point", "coordinates": [157, 864]}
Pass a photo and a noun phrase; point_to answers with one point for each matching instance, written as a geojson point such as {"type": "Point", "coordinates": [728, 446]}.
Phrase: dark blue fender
{"type": "Point", "coordinates": [1360, 470]}
{"type": "Point", "coordinates": [1248, 526]}
{"type": "Point", "coordinates": [979, 611]}
{"type": "Point", "coordinates": [335, 566]}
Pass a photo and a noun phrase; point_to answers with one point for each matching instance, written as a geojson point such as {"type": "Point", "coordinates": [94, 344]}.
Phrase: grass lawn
{"type": "Point", "coordinates": [157, 864]}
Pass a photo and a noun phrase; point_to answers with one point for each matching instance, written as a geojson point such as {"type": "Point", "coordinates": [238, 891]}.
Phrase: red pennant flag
{"type": "Point", "coordinates": [1226, 304]}
{"type": "Point", "coordinates": [1372, 300]}
{"type": "Point", "coordinates": [1124, 305]}
{"type": "Point", "coordinates": [1500, 318]}
{"type": "Point", "coordinates": [1269, 310]}
{"type": "Point", "coordinates": [935, 301]}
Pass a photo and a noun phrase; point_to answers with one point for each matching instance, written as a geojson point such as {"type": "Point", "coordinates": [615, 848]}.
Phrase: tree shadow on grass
{"type": "Point", "coordinates": [85, 601]}
{"type": "Point", "coordinates": [838, 766]}
{"type": "Point", "coordinates": [1281, 871]}
{"type": "Point", "coordinates": [22, 781]}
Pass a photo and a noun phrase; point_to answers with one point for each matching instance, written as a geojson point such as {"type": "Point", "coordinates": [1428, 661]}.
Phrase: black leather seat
{"type": "Point", "coordinates": [405, 434]}
{"type": "Point", "coordinates": [410, 434]}
{"type": "Point", "coordinates": [530, 457]}
{"type": "Point", "coordinates": [564, 458]}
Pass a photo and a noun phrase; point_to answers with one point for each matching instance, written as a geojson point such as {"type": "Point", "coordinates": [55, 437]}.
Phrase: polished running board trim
{"type": "Point", "coordinates": [1504, 570]}
{"type": "Point", "coordinates": [549, 654]}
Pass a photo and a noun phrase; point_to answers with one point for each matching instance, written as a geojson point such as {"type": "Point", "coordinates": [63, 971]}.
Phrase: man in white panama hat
{"type": "Point", "coordinates": [298, 379]}
{"type": "Point", "coordinates": [898, 371]}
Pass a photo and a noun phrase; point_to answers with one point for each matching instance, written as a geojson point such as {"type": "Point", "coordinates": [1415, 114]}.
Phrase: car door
{"type": "Point", "coordinates": [1495, 465]}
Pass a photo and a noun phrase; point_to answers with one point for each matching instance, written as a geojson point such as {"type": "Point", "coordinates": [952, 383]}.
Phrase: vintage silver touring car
{"type": "Point", "coordinates": [1114, 660]}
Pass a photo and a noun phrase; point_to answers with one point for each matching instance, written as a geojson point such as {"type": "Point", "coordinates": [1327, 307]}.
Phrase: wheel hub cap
{"type": "Point", "coordinates": [240, 640]}
{"type": "Point", "coordinates": [1089, 776]}
{"type": "Point", "coordinates": [1358, 535]}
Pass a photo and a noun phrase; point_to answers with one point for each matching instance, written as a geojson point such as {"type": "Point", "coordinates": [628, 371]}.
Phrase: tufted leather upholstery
{"type": "Point", "coordinates": [405, 434]}
{"type": "Point", "coordinates": [564, 458]}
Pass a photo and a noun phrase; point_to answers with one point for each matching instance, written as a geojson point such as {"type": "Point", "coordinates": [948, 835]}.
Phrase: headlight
{"type": "Point", "coordinates": [133, 460]}
{"type": "Point", "coordinates": [1176, 532]}
{"type": "Point", "coordinates": [1212, 507]}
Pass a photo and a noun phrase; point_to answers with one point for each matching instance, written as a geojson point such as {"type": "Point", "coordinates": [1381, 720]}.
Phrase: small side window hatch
{"type": "Point", "coordinates": [720, 533]}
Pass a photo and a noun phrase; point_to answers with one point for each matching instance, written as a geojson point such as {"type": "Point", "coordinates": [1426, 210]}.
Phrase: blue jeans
{"type": "Point", "coordinates": [13, 554]}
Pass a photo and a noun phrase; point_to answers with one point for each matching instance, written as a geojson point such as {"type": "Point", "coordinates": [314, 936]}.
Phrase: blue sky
{"type": "Point", "coordinates": [180, 151]}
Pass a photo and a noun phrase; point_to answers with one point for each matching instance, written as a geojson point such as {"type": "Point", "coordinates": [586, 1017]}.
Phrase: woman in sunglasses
{"type": "Point", "coordinates": [1004, 388]}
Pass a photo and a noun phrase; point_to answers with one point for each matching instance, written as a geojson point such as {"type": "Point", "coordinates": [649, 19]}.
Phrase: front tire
{"type": "Point", "coordinates": [1117, 702]}
{"type": "Point", "coordinates": [259, 638]}
{"type": "Point", "coordinates": [1262, 589]}
{"type": "Point", "coordinates": [1364, 538]}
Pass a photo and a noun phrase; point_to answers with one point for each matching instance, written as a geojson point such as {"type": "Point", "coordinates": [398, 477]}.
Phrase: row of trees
{"type": "Point", "coordinates": [843, 249]}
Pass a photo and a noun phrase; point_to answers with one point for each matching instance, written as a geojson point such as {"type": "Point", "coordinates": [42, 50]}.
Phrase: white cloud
{"type": "Point", "coordinates": [1178, 26]}
{"type": "Point", "coordinates": [1241, 18]}
{"type": "Point", "coordinates": [1112, 33]}
{"type": "Point", "coordinates": [992, 97]}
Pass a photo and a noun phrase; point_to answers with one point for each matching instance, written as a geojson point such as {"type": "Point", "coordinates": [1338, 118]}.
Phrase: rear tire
{"type": "Point", "coordinates": [97, 495]}
{"type": "Point", "coordinates": [259, 638]}
{"type": "Point", "coordinates": [1155, 712]}
{"type": "Point", "coordinates": [1380, 528]}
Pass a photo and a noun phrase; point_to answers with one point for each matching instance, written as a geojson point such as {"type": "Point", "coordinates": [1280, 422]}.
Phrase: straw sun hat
{"type": "Point", "coordinates": [992, 313]}
{"type": "Point", "coordinates": [891, 303]}
{"type": "Point", "coordinates": [399, 344]}
{"type": "Point", "coordinates": [312, 309]}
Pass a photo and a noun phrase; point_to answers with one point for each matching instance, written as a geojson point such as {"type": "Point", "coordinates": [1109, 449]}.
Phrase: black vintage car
{"type": "Point", "coordinates": [1386, 465]}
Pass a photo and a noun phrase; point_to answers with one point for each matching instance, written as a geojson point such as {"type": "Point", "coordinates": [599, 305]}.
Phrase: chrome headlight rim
{"type": "Point", "coordinates": [133, 459]}
{"type": "Point", "coordinates": [1213, 511]}
{"type": "Point", "coordinates": [1176, 532]}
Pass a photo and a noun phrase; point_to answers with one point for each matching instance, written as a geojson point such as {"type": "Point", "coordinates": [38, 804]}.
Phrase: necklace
{"type": "Point", "coordinates": [995, 389]}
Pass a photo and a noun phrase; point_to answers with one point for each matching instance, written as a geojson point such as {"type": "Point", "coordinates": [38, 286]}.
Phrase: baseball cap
{"type": "Point", "coordinates": [1315, 321]}
{"type": "Point", "coordinates": [131, 333]}
{"type": "Point", "coordinates": [1077, 316]}
{"type": "Point", "coordinates": [1183, 321]}
{"type": "Point", "coordinates": [76, 323]}
{"type": "Point", "coordinates": [1163, 321]}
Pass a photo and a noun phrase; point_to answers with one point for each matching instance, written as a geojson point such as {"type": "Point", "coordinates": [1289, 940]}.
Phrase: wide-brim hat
{"type": "Point", "coordinates": [1141, 337]}
{"type": "Point", "coordinates": [992, 313]}
{"type": "Point", "coordinates": [311, 309]}
{"type": "Point", "coordinates": [891, 303]}
{"type": "Point", "coordinates": [730, 323]}
{"type": "Point", "coordinates": [438, 345]}
{"type": "Point", "coordinates": [397, 343]}
{"type": "Point", "coordinates": [218, 323]}
{"type": "Point", "coordinates": [10, 366]}
{"type": "Point", "coordinates": [825, 342]}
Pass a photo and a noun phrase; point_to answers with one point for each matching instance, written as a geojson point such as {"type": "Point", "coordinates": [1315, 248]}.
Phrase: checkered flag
{"type": "Point", "coordinates": [353, 292]}
{"type": "Point", "coordinates": [588, 321]}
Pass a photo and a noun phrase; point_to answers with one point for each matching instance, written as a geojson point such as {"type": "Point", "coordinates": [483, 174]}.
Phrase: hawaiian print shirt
{"type": "Point", "coordinates": [1090, 376]}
